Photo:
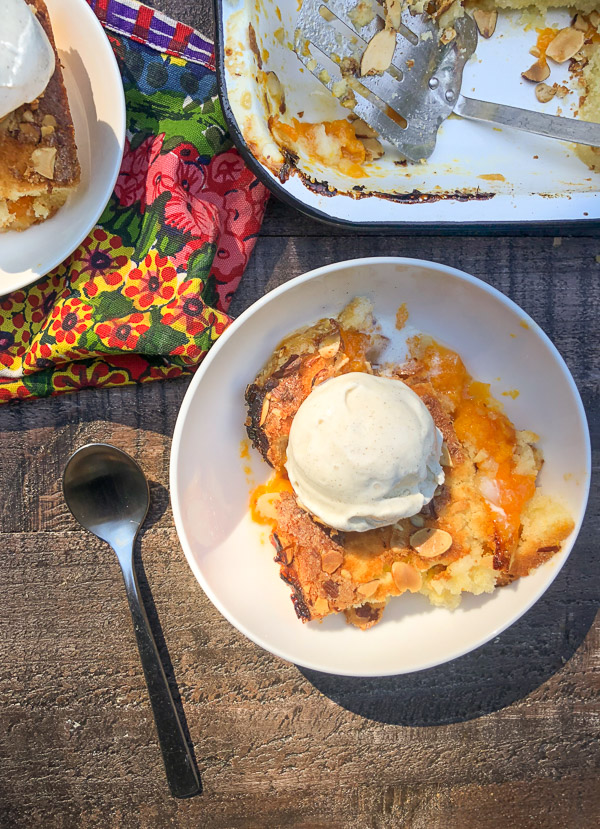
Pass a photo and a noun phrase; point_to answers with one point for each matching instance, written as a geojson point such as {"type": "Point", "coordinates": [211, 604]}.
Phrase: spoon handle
{"type": "Point", "coordinates": [179, 764]}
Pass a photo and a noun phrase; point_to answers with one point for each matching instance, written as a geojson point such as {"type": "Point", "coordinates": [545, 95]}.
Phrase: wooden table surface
{"type": "Point", "coordinates": [503, 737]}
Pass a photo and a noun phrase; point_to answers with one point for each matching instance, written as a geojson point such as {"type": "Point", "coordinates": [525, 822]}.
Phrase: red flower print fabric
{"type": "Point", "coordinates": [146, 294]}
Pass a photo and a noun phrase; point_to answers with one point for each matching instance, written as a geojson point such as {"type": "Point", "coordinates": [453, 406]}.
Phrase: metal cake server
{"type": "Point", "coordinates": [108, 494]}
{"type": "Point", "coordinates": [407, 103]}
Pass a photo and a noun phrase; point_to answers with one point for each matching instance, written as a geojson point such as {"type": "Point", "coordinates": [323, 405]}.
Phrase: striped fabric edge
{"type": "Point", "coordinates": [155, 29]}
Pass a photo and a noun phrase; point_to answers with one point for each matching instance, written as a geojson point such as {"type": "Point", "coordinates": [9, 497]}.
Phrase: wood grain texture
{"type": "Point", "coordinates": [505, 736]}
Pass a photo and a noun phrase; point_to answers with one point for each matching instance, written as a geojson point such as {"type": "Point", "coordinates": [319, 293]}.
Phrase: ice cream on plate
{"type": "Point", "coordinates": [364, 452]}
{"type": "Point", "coordinates": [26, 57]}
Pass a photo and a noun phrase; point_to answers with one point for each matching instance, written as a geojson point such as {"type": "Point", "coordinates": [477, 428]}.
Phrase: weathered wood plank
{"type": "Point", "coordinates": [505, 736]}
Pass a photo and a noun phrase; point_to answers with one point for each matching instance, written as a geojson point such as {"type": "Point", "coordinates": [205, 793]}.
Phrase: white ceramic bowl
{"type": "Point", "coordinates": [232, 558]}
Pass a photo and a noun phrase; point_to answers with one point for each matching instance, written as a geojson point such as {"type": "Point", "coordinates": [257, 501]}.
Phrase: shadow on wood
{"type": "Point", "coordinates": [157, 632]}
{"type": "Point", "coordinates": [498, 674]}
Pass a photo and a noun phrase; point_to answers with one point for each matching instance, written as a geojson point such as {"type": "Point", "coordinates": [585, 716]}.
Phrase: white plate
{"type": "Point", "coordinates": [97, 104]}
{"type": "Point", "coordinates": [232, 558]}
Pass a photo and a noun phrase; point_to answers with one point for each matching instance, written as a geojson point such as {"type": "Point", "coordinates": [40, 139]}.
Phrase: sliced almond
{"type": "Point", "coordinates": [560, 90]}
{"type": "Point", "coordinates": [361, 128]}
{"type": "Point", "coordinates": [430, 542]}
{"type": "Point", "coordinates": [43, 160]}
{"type": "Point", "coordinates": [331, 560]}
{"type": "Point", "coordinates": [265, 409]}
{"type": "Point", "coordinates": [320, 607]}
{"type": "Point", "coordinates": [286, 554]}
{"type": "Point", "coordinates": [330, 345]}
{"type": "Point", "coordinates": [537, 72]}
{"type": "Point", "coordinates": [341, 362]}
{"type": "Point", "coordinates": [379, 53]}
{"type": "Point", "coordinates": [445, 458]}
{"type": "Point", "coordinates": [580, 23]}
{"type": "Point", "coordinates": [566, 44]}
{"type": "Point", "coordinates": [594, 18]}
{"type": "Point", "coordinates": [544, 93]}
{"type": "Point", "coordinates": [535, 52]}
{"type": "Point", "coordinates": [373, 149]}
{"type": "Point", "coordinates": [368, 589]}
{"type": "Point", "coordinates": [275, 94]}
{"type": "Point", "coordinates": [406, 577]}
{"type": "Point", "coordinates": [486, 21]}
{"type": "Point", "coordinates": [393, 12]}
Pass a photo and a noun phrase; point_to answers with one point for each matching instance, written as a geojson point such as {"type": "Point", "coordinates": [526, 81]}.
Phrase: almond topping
{"type": "Point", "coordinates": [361, 128]}
{"type": "Point", "coordinates": [379, 53]}
{"type": "Point", "coordinates": [42, 161]}
{"type": "Point", "coordinates": [393, 11]}
{"type": "Point", "coordinates": [320, 607]}
{"type": "Point", "coordinates": [286, 554]}
{"type": "Point", "coordinates": [48, 121]}
{"type": "Point", "coordinates": [330, 345]}
{"type": "Point", "coordinates": [275, 94]}
{"type": "Point", "coordinates": [566, 44]}
{"type": "Point", "coordinates": [373, 149]}
{"type": "Point", "coordinates": [580, 23]}
{"type": "Point", "coordinates": [537, 72]}
{"type": "Point", "coordinates": [368, 588]}
{"type": "Point", "coordinates": [448, 35]}
{"type": "Point", "coordinates": [265, 409]}
{"type": "Point", "coordinates": [46, 131]}
{"type": "Point", "coordinates": [406, 577]}
{"type": "Point", "coordinates": [486, 22]}
{"type": "Point", "coordinates": [445, 458]}
{"type": "Point", "coordinates": [594, 18]}
{"type": "Point", "coordinates": [430, 542]}
{"type": "Point", "coordinates": [341, 362]}
{"type": "Point", "coordinates": [544, 93]}
{"type": "Point", "coordinates": [331, 560]}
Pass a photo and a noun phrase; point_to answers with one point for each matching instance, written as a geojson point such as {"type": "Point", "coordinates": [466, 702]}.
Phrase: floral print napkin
{"type": "Point", "coordinates": [146, 293]}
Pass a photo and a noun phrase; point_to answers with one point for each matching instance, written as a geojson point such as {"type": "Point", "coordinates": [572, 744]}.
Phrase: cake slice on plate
{"type": "Point", "coordinates": [39, 168]}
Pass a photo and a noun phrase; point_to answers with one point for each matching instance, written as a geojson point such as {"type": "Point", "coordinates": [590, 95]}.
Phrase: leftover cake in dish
{"type": "Point", "coordinates": [349, 145]}
{"type": "Point", "coordinates": [359, 511]}
{"type": "Point", "coordinates": [39, 168]}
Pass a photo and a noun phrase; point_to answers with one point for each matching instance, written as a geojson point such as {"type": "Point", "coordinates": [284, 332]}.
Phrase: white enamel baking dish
{"type": "Point", "coordinates": [479, 176]}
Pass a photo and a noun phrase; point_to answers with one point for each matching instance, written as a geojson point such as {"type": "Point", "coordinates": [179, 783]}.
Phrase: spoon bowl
{"type": "Point", "coordinates": [107, 492]}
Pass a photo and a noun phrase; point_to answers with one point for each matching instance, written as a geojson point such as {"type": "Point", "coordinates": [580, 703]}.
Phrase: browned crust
{"type": "Point", "coordinates": [356, 573]}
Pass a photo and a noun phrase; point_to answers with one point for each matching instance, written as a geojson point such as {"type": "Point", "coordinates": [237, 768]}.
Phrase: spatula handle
{"type": "Point", "coordinates": [552, 126]}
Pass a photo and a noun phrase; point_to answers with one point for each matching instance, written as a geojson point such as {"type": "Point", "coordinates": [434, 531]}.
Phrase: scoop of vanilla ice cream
{"type": "Point", "coordinates": [363, 452]}
{"type": "Point", "coordinates": [26, 56]}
